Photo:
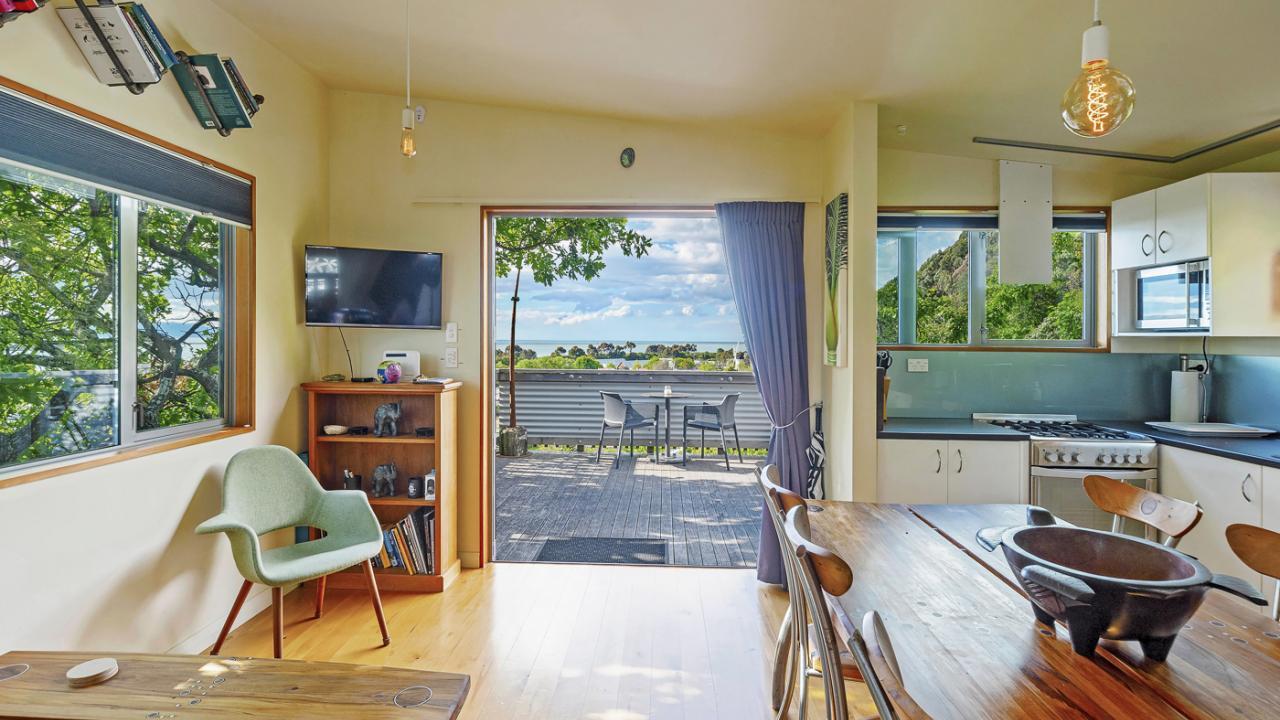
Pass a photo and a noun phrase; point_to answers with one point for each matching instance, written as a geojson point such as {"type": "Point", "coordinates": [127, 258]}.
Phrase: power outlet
{"type": "Point", "coordinates": [451, 332]}
{"type": "Point", "coordinates": [451, 357]}
{"type": "Point", "coordinates": [917, 364]}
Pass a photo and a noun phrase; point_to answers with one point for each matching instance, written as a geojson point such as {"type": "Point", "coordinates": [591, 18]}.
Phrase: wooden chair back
{"type": "Point", "coordinates": [1171, 516]}
{"type": "Point", "coordinates": [1258, 548]}
{"type": "Point", "coordinates": [820, 572]}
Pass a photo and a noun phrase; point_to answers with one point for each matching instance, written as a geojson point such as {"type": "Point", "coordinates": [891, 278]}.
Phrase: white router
{"type": "Point", "coordinates": [410, 361]}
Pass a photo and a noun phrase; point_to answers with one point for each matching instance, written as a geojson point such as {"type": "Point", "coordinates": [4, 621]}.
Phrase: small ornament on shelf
{"type": "Point", "coordinates": [384, 480]}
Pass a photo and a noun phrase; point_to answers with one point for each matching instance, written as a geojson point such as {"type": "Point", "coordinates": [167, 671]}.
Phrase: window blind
{"type": "Point", "coordinates": [44, 137]}
{"type": "Point", "coordinates": [1082, 222]}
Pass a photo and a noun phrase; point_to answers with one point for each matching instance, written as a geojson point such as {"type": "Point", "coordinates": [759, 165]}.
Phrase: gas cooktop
{"type": "Point", "coordinates": [1065, 427]}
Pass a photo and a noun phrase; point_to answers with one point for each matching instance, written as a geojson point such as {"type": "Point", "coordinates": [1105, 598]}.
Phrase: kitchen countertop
{"type": "Point", "coordinates": [1262, 451]}
{"type": "Point", "coordinates": [900, 428]}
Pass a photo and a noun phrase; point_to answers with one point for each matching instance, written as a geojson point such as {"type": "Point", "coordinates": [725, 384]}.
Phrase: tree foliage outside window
{"type": "Point", "coordinates": [1045, 313]}
{"type": "Point", "coordinates": [61, 307]}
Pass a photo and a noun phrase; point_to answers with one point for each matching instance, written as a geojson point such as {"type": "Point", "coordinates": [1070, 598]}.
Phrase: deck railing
{"type": "Point", "coordinates": [563, 407]}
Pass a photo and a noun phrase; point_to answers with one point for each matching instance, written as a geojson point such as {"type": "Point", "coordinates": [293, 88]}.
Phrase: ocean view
{"type": "Point", "coordinates": [546, 347]}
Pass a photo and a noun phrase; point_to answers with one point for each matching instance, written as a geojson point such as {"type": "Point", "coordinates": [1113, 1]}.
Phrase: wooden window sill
{"type": "Point", "coordinates": [120, 455]}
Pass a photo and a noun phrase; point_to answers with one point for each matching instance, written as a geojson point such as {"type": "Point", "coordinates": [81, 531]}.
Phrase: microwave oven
{"type": "Point", "coordinates": [1173, 297]}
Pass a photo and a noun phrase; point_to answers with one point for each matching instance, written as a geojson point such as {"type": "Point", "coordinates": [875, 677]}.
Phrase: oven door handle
{"type": "Point", "coordinates": [1079, 473]}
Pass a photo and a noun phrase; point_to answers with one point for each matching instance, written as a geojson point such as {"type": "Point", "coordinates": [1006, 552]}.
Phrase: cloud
{"type": "Point", "coordinates": [683, 276]}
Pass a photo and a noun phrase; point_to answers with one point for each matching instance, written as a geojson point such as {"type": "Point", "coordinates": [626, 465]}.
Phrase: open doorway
{"type": "Point", "coordinates": [636, 424]}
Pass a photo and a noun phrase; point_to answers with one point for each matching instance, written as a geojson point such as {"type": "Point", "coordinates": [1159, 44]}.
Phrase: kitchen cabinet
{"type": "Point", "coordinates": [1165, 225]}
{"type": "Point", "coordinates": [911, 471]}
{"type": "Point", "coordinates": [1245, 261]}
{"type": "Point", "coordinates": [1182, 220]}
{"type": "Point", "coordinates": [1133, 231]}
{"type": "Point", "coordinates": [952, 471]}
{"type": "Point", "coordinates": [1230, 492]}
{"type": "Point", "coordinates": [1270, 518]}
{"type": "Point", "coordinates": [1231, 218]}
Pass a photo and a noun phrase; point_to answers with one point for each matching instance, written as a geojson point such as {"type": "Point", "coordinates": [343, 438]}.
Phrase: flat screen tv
{"type": "Point", "coordinates": [372, 288]}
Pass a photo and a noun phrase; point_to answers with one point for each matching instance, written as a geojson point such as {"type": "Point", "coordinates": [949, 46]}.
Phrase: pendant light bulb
{"type": "Point", "coordinates": [408, 147]}
{"type": "Point", "coordinates": [1102, 97]}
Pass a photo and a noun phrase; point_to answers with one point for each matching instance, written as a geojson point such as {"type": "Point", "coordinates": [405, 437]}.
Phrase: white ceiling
{"type": "Point", "coordinates": [947, 69]}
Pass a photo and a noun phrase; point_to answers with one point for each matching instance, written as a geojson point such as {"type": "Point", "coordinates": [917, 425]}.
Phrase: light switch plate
{"type": "Point", "coordinates": [917, 364]}
{"type": "Point", "coordinates": [451, 332]}
{"type": "Point", "coordinates": [451, 357]}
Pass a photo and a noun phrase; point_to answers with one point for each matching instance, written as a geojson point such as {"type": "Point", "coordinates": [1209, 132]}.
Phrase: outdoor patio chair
{"type": "Point", "coordinates": [718, 417]}
{"type": "Point", "coordinates": [619, 413]}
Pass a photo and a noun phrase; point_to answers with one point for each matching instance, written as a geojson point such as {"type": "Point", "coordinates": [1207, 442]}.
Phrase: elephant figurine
{"type": "Point", "coordinates": [384, 480]}
{"type": "Point", "coordinates": [386, 419]}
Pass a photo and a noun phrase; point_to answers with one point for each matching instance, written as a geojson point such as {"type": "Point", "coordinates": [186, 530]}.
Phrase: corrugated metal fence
{"type": "Point", "coordinates": [563, 407]}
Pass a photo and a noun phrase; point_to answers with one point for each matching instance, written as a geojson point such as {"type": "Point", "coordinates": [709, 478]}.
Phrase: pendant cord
{"type": "Point", "coordinates": [407, 54]}
{"type": "Point", "coordinates": [1096, 17]}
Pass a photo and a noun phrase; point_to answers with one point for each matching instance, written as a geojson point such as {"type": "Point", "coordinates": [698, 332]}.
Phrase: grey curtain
{"type": "Point", "coordinates": [764, 249]}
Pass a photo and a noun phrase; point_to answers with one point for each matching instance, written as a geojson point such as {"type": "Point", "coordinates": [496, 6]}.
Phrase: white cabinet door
{"type": "Point", "coordinates": [987, 472]}
{"type": "Point", "coordinates": [912, 471]}
{"type": "Point", "coordinates": [1229, 491]}
{"type": "Point", "coordinates": [1270, 519]}
{"type": "Point", "coordinates": [1133, 231]}
{"type": "Point", "coordinates": [1246, 254]}
{"type": "Point", "coordinates": [1182, 220]}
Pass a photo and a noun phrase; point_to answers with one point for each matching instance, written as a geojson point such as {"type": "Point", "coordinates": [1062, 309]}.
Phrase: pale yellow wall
{"type": "Point", "coordinates": [472, 155]}
{"type": "Point", "coordinates": [910, 178]}
{"type": "Point", "coordinates": [106, 559]}
{"type": "Point", "coordinates": [850, 156]}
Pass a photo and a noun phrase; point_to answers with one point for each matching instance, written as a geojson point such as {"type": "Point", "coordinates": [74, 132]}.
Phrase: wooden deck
{"type": "Point", "coordinates": [709, 516]}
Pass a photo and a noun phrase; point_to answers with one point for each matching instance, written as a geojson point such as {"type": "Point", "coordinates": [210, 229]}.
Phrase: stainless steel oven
{"type": "Point", "coordinates": [1061, 492]}
{"type": "Point", "coordinates": [1173, 297]}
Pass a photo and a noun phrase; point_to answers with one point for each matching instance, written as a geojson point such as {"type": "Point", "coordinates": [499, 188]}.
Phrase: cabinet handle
{"type": "Point", "coordinates": [939, 470]}
{"type": "Point", "coordinates": [1142, 245]}
{"type": "Point", "coordinates": [960, 457]}
{"type": "Point", "coordinates": [1160, 237]}
{"type": "Point", "coordinates": [1244, 487]}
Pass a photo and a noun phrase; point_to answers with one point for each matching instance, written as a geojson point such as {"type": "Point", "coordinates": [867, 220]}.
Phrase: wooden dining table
{"type": "Point", "coordinates": [34, 685]}
{"type": "Point", "coordinates": [969, 646]}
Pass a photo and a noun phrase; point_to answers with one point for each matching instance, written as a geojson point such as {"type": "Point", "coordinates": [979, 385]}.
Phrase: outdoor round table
{"type": "Point", "coordinates": [666, 399]}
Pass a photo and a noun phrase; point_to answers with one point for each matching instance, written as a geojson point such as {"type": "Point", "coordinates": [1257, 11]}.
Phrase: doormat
{"type": "Point", "coordinates": [617, 551]}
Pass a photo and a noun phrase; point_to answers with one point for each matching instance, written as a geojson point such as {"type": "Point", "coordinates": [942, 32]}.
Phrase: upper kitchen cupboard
{"type": "Point", "coordinates": [1233, 220]}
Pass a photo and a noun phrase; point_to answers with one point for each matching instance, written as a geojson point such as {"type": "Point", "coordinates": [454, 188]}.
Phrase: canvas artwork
{"type": "Point", "coordinates": [836, 302]}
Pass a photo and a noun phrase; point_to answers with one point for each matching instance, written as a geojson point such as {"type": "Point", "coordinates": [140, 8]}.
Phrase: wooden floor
{"type": "Point", "coordinates": [562, 641]}
{"type": "Point", "coordinates": [709, 516]}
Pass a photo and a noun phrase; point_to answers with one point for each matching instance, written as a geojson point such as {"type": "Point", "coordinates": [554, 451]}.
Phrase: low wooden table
{"type": "Point", "coordinates": [970, 648]}
{"type": "Point", "coordinates": [186, 686]}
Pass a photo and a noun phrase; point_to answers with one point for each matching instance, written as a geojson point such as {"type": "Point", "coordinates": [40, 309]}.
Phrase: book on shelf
{"type": "Point", "coordinates": [188, 82]}
{"type": "Point", "coordinates": [408, 543]}
{"type": "Point", "coordinates": [123, 39]}
{"type": "Point", "coordinates": [150, 32]}
{"type": "Point", "coordinates": [242, 88]}
{"type": "Point", "coordinates": [222, 97]}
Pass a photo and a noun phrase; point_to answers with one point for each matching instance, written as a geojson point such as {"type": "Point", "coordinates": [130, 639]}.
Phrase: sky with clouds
{"type": "Point", "coordinates": [679, 292]}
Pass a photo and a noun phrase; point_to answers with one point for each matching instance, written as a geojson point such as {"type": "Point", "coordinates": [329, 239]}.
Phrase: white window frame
{"type": "Point", "coordinates": [977, 292]}
{"type": "Point", "coordinates": [126, 418]}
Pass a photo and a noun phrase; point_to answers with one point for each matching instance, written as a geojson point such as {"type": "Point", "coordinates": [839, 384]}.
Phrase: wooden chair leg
{"type": "Point", "coordinates": [277, 621]}
{"type": "Point", "coordinates": [372, 582]}
{"type": "Point", "coordinates": [231, 617]}
{"type": "Point", "coordinates": [320, 585]}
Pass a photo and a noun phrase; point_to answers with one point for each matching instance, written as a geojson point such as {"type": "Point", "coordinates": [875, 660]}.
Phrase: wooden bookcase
{"type": "Point", "coordinates": [353, 404]}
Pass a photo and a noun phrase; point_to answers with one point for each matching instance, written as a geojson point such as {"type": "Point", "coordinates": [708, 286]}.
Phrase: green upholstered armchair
{"type": "Point", "coordinates": [269, 488]}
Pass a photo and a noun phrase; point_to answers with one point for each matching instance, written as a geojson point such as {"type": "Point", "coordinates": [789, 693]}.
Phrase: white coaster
{"type": "Point", "coordinates": [92, 672]}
